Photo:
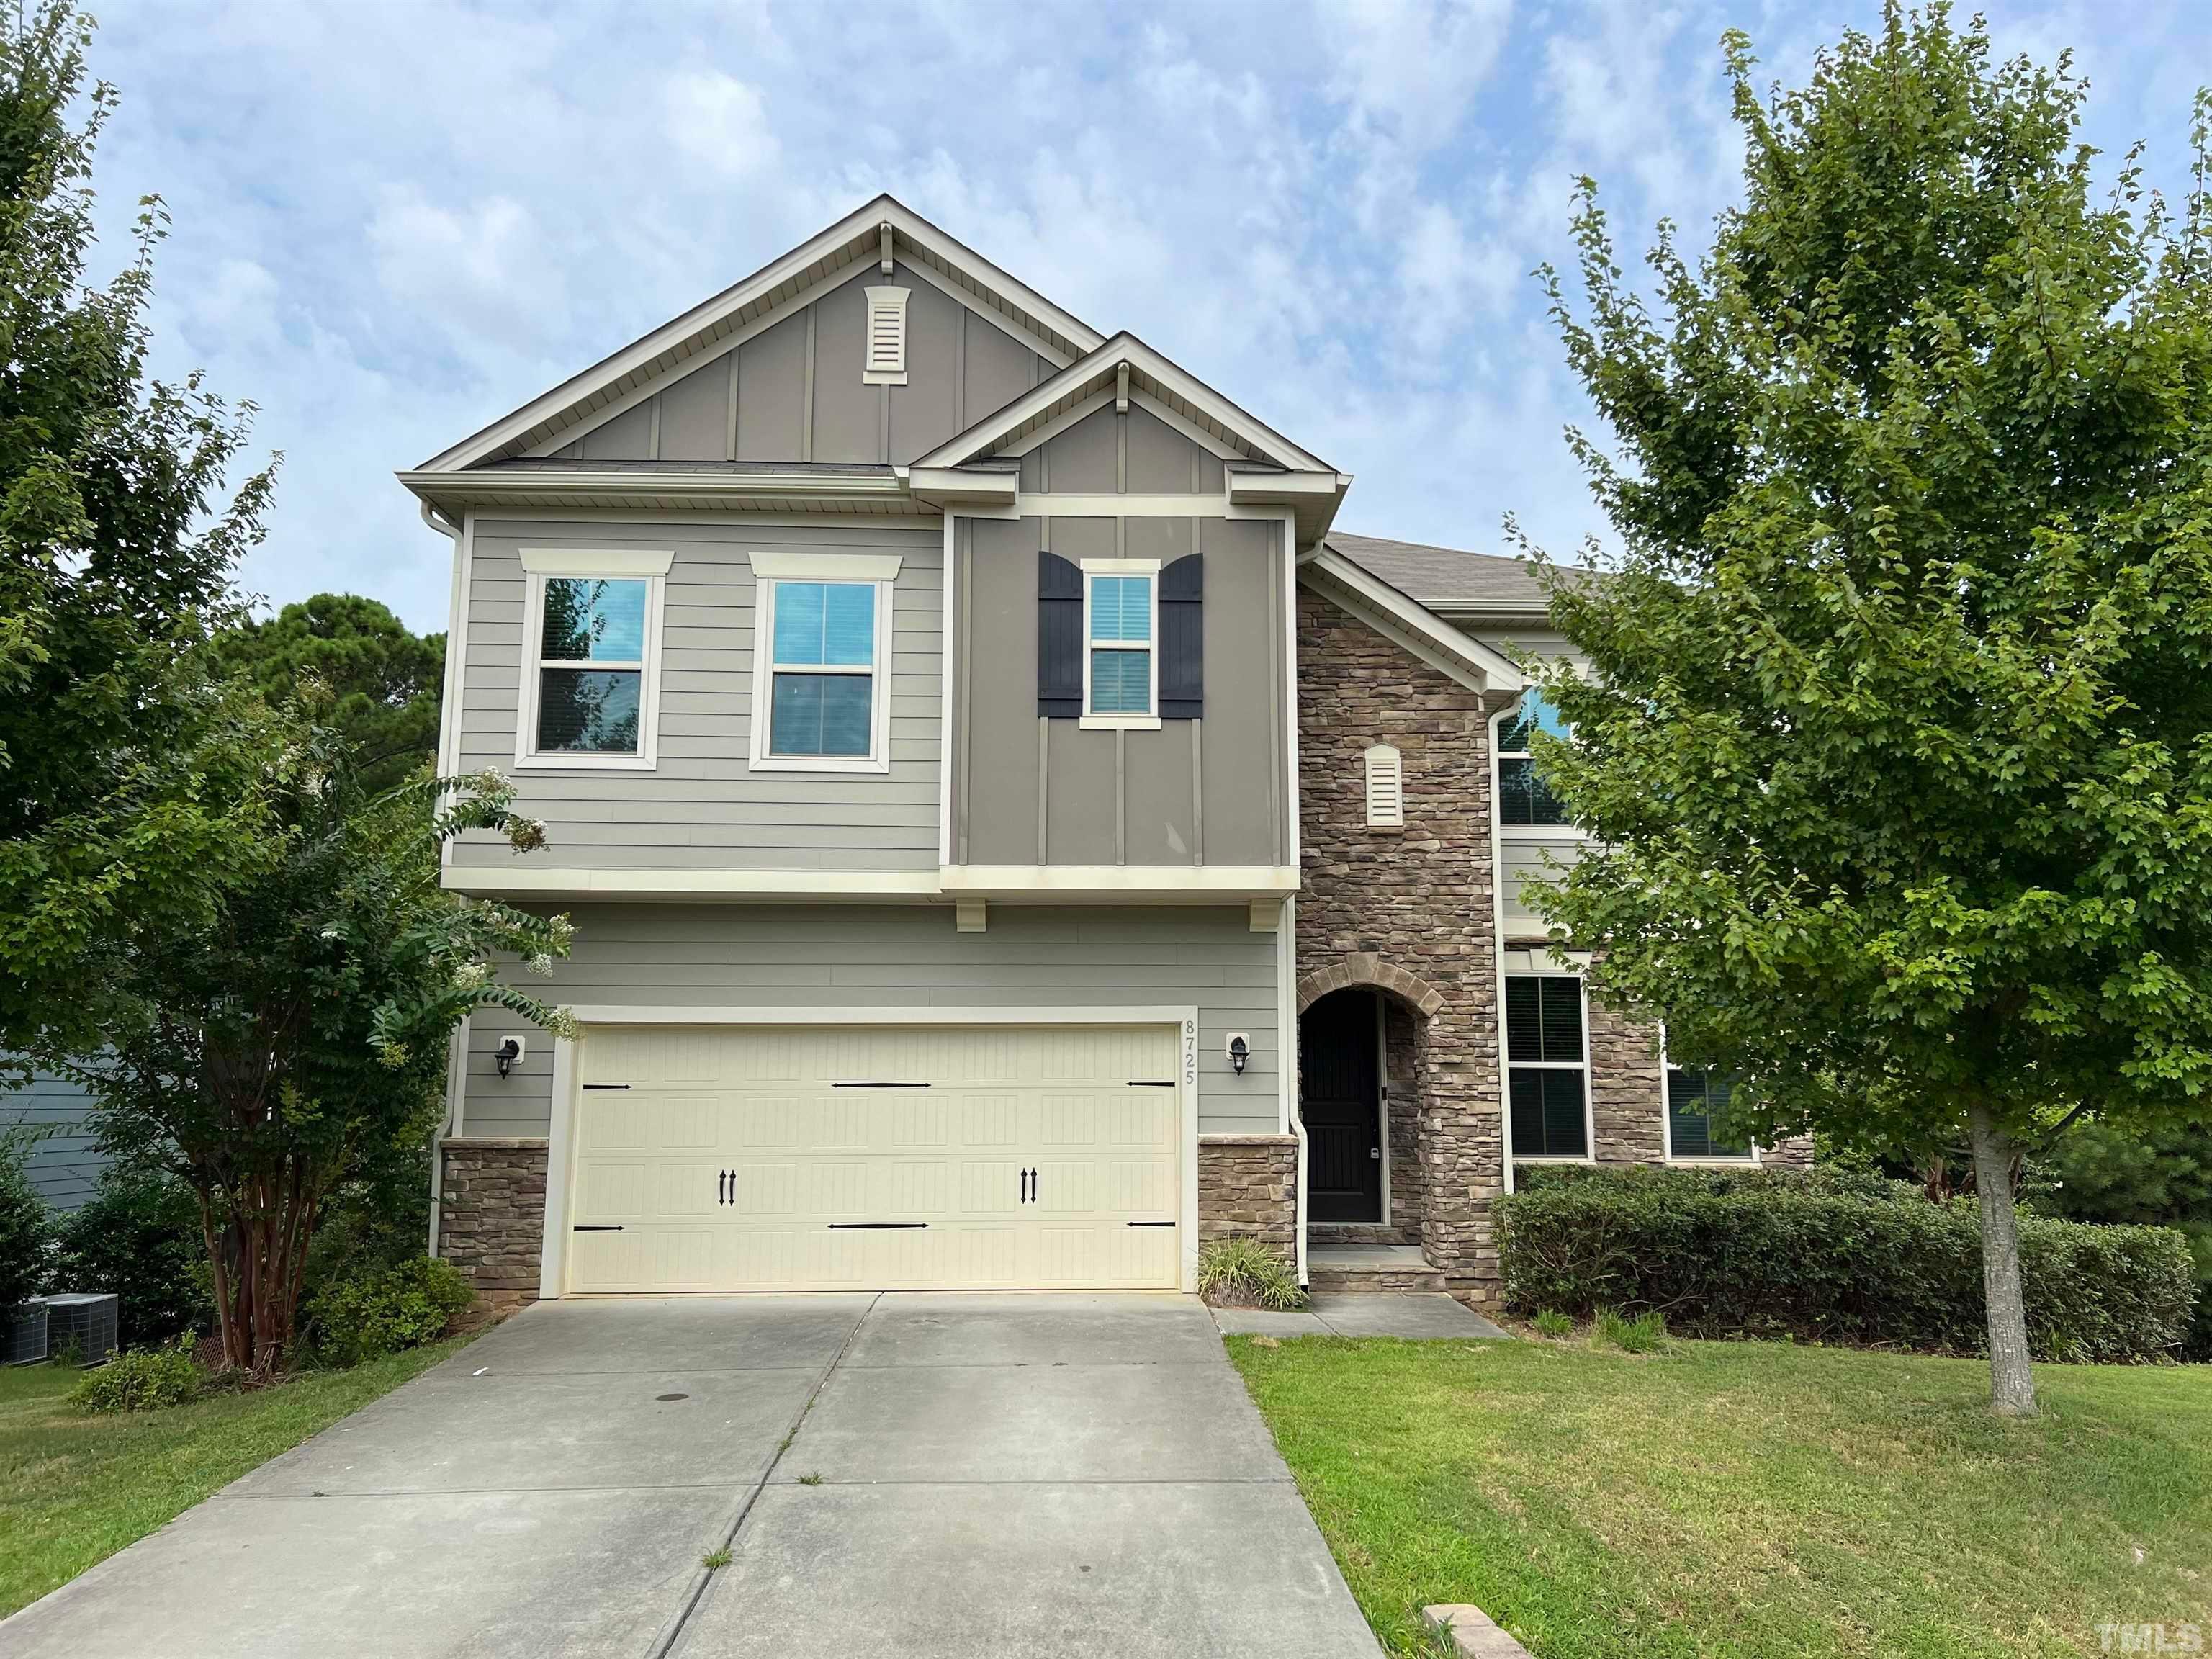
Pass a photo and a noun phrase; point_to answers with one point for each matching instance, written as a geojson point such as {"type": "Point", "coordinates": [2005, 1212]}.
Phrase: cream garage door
{"type": "Point", "coordinates": [880, 1157]}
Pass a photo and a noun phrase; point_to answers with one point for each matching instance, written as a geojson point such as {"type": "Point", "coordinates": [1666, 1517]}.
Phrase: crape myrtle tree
{"type": "Point", "coordinates": [117, 550]}
{"type": "Point", "coordinates": [1897, 744]}
{"type": "Point", "coordinates": [300, 1037]}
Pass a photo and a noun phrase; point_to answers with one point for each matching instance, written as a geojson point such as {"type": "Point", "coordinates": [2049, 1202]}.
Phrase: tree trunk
{"type": "Point", "coordinates": [2011, 1385]}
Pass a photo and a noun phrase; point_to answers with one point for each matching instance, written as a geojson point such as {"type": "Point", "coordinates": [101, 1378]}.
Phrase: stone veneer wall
{"type": "Point", "coordinates": [1628, 1099]}
{"type": "Point", "coordinates": [491, 1215]}
{"type": "Point", "coordinates": [1413, 902]}
{"type": "Point", "coordinates": [1248, 1187]}
{"type": "Point", "coordinates": [1401, 1056]}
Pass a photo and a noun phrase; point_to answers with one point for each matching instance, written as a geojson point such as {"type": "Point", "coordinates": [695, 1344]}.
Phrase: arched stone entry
{"type": "Point", "coordinates": [1366, 968]}
{"type": "Point", "coordinates": [1364, 1036]}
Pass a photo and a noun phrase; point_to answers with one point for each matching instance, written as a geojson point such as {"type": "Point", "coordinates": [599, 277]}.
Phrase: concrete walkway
{"type": "Point", "coordinates": [925, 1475]}
{"type": "Point", "coordinates": [1420, 1314]}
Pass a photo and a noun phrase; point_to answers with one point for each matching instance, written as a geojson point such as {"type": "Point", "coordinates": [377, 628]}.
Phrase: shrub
{"type": "Point", "coordinates": [387, 1309]}
{"type": "Point", "coordinates": [1551, 1322]}
{"type": "Point", "coordinates": [1244, 1273]}
{"type": "Point", "coordinates": [139, 1237]}
{"type": "Point", "coordinates": [25, 1226]}
{"type": "Point", "coordinates": [1726, 1253]}
{"type": "Point", "coordinates": [142, 1379]}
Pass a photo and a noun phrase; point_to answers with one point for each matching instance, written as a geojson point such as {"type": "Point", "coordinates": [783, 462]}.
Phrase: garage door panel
{"type": "Point", "coordinates": [775, 1158]}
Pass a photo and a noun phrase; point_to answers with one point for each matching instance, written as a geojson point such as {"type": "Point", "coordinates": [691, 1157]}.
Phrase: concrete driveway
{"type": "Point", "coordinates": [925, 1475]}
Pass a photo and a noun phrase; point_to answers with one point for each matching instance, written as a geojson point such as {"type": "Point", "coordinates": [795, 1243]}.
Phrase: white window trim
{"type": "Point", "coordinates": [883, 302]}
{"type": "Point", "coordinates": [1589, 1154]}
{"type": "Point", "coordinates": [1149, 722]}
{"type": "Point", "coordinates": [540, 564]}
{"type": "Point", "coordinates": [1666, 1124]}
{"type": "Point", "coordinates": [879, 571]}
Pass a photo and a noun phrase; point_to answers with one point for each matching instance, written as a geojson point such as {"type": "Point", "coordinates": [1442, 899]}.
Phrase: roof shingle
{"type": "Point", "coordinates": [1445, 578]}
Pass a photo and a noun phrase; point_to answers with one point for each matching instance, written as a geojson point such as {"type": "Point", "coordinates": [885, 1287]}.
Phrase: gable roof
{"type": "Point", "coordinates": [1447, 579]}
{"type": "Point", "coordinates": [854, 239]}
{"type": "Point", "coordinates": [1151, 373]}
{"type": "Point", "coordinates": [1413, 626]}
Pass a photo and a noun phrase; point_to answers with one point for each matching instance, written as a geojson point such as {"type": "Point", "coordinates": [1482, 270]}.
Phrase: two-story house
{"type": "Point", "coordinates": [1012, 837]}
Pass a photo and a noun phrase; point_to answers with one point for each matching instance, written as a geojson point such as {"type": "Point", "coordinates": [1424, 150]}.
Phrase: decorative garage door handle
{"type": "Point", "coordinates": [875, 1226]}
{"type": "Point", "coordinates": [1029, 1186]}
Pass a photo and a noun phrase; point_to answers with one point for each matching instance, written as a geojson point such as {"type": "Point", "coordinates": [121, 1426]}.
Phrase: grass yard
{"type": "Point", "coordinates": [74, 1490]}
{"type": "Point", "coordinates": [1747, 1498]}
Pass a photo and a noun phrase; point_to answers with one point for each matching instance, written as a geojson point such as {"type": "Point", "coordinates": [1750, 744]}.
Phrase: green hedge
{"type": "Point", "coordinates": [1846, 1258]}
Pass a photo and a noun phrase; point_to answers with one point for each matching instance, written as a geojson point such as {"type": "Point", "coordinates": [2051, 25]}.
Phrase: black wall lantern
{"type": "Point", "coordinates": [1239, 1052]}
{"type": "Point", "coordinates": [509, 1051]}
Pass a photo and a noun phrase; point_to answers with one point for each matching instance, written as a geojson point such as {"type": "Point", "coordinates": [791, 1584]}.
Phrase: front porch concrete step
{"type": "Point", "coordinates": [1369, 1268]}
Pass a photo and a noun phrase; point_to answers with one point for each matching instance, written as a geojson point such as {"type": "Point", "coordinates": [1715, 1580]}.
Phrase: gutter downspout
{"type": "Point", "coordinates": [455, 1056]}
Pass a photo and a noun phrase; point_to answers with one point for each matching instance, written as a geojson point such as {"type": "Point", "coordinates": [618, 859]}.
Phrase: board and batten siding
{"type": "Point", "coordinates": [794, 391]}
{"type": "Point", "coordinates": [701, 807]}
{"type": "Point", "coordinates": [858, 957]}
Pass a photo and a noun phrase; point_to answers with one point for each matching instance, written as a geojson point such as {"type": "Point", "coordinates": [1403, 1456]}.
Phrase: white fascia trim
{"type": "Point", "coordinates": [795, 267]}
{"type": "Point", "coordinates": [826, 567]}
{"type": "Point", "coordinates": [1189, 429]}
{"type": "Point", "coordinates": [1030, 505]}
{"type": "Point", "coordinates": [553, 1238]}
{"type": "Point", "coordinates": [1074, 414]}
{"type": "Point", "coordinates": [1467, 659]}
{"type": "Point", "coordinates": [1276, 487]}
{"type": "Point", "coordinates": [610, 562]}
{"type": "Point", "coordinates": [1124, 348]}
{"type": "Point", "coordinates": [652, 521]}
{"type": "Point", "coordinates": [486, 490]}
{"type": "Point", "coordinates": [528, 881]}
{"type": "Point", "coordinates": [964, 488]}
{"type": "Point", "coordinates": [1202, 882]}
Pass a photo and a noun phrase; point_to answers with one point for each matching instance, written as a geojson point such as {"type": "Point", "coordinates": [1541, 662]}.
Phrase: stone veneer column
{"type": "Point", "coordinates": [491, 1215]}
{"type": "Point", "coordinates": [1628, 1098]}
{"type": "Point", "coordinates": [1415, 901]}
{"type": "Point", "coordinates": [1248, 1187]}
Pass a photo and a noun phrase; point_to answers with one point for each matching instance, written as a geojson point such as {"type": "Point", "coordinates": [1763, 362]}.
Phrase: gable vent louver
{"type": "Point", "coordinates": [1386, 789]}
{"type": "Point", "coordinates": [886, 347]}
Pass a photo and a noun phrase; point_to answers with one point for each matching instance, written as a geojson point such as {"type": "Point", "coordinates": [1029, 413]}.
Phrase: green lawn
{"type": "Point", "coordinates": [1747, 1498]}
{"type": "Point", "coordinates": [74, 1490]}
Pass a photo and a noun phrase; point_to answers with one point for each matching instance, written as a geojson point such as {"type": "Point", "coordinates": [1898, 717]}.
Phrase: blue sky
{"type": "Point", "coordinates": [394, 223]}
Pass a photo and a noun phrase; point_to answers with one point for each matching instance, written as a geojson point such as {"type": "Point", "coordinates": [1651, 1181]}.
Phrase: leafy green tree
{"type": "Point", "coordinates": [384, 682]}
{"type": "Point", "coordinates": [116, 550]}
{"type": "Point", "coordinates": [299, 1040]}
{"type": "Point", "coordinates": [1897, 746]}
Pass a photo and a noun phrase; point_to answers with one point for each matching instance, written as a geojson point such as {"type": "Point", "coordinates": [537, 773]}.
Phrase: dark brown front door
{"type": "Point", "coordinates": [1339, 1099]}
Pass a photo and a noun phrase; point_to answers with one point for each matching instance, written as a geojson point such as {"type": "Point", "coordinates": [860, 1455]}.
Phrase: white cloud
{"type": "Point", "coordinates": [394, 224]}
{"type": "Point", "coordinates": [720, 122]}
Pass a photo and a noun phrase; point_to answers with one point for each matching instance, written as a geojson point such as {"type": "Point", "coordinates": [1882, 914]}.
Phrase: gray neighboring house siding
{"type": "Point", "coordinates": [702, 808]}
{"type": "Point", "coordinates": [65, 1163]}
{"type": "Point", "coordinates": [858, 957]}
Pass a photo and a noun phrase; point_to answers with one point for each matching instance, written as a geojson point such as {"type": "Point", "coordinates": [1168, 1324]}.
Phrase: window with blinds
{"type": "Point", "coordinates": [1694, 1098]}
{"type": "Point", "coordinates": [1547, 1066]}
{"type": "Point", "coordinates": [886, 348]}
{"type": "Point", "coordinates": [1386, 789]}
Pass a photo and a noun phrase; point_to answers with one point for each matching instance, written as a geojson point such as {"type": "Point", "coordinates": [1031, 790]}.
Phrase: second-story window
{"type": "Point", "coordinates": [593, 638]}
{"type": "Point", "coordinates": [1120, 678]}
{"type": "Point", "coordinates": [1547, 1066]}
{"type": "Point", "coordinates": [821, 682]}
{"type": "Point", "coordinates": [1524, 797]}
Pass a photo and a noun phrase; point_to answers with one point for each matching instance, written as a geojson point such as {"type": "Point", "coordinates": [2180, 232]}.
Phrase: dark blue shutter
{"type": "Point", "coordinates": [1059, 638]}
{"type": "Point", "coordinates": [1182, 639]}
